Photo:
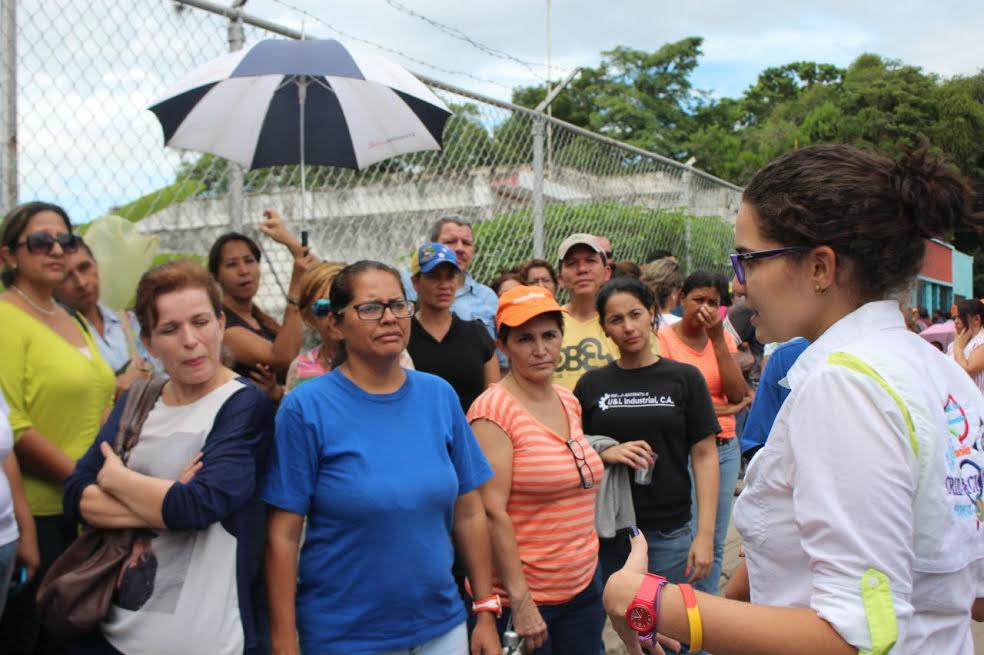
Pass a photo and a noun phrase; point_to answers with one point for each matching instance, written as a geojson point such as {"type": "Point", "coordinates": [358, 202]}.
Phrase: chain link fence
{"type": "Point", "coordinates": [90, 69]}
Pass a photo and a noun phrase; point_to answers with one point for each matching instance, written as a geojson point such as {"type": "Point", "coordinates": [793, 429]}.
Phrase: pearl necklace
{"type": "Point", "coordinates": [39, 308]}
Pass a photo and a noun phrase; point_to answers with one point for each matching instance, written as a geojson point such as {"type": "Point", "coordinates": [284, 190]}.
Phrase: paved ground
{"type": "Point", "coordinates": [614, 646]}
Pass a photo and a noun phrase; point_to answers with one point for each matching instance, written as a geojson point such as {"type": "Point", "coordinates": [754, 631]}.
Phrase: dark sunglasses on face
{"type": "Point", "coordinates": [42, 243]}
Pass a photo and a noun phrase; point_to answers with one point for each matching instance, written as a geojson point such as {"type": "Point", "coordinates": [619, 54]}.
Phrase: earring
{"type": "Point", "coordinates": [817, 289]}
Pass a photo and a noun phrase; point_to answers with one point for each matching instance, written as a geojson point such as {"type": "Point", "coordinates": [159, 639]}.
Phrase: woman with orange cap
{"type": "Point", "coordinates": [541, 500]}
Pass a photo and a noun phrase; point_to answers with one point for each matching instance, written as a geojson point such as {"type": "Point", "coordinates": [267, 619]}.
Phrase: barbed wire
{"type": "Point", "coordinates": [458, 34]}
{"type": "Point", "coordinates": [393, 51]}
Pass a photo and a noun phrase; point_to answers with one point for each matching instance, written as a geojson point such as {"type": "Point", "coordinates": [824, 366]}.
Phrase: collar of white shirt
{"type": "Point", "coordinates": [868, 318]}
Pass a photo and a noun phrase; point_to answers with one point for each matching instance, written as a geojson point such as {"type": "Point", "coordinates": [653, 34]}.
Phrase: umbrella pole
{"type": "Point", "coordinates": [301, 100]}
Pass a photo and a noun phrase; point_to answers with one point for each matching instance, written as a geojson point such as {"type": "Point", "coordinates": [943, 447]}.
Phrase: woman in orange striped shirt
{"type": "Point", "coordinates": [541, 500]}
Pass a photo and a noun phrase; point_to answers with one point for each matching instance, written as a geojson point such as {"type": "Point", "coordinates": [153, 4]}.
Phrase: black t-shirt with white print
{"type": "Point", "coordinates": [667, 404]}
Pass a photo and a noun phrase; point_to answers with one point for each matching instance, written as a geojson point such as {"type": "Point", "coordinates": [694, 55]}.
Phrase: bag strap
{"type": "Point", "coordinates": [140, 400]}
{"type": "Point", "coordinates": [131, 340]}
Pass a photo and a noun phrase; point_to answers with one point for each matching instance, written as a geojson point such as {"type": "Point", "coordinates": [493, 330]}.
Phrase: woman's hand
{"type": "Point", "coordinates": [28, 553]}
{"type": "Point", "coordinates": [621, 590]}
{"type": "Point", "coordinates": [194, 466]}
{"type": "Point", "coordinates": [710, 320]}
{"type": "Point", "coordinates": [304, 261]}
{"type": "Point", "coordinates": [275, 227]}
{"type": "Point", "coordinates": [734, 408]}
{"type": "Point", "coordinates": [266, 381]}
{"type": "Point", "coordinates": [111, 468]}
{"type": "Point", "coordinates": [485, 636]}
{"type": "Point", "coordinates": [528, 623]}
{"type": "Point", "coordinates": [701, 557]}
{"type": "Point", "coordinates": [961, 339]}
{"type": "Point", "coordinates": [634, 454]}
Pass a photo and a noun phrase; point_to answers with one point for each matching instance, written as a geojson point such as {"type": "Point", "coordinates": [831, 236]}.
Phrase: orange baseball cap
{"type": "Point", "coordinates": [522, 303]}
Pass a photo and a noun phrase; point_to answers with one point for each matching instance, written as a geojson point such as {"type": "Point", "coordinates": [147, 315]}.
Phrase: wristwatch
{"type": "Point", "coordinates": [643, 612]}
{"type": "Point", "coordinates": [490, 604]}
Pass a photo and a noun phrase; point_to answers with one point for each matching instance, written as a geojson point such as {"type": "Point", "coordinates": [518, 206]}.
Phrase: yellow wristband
{"type": "Point", "coordinates": [693, 617]}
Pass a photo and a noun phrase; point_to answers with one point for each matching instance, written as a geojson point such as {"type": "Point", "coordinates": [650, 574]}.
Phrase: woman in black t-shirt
{"type": "Point", "coordinates": [260, 348]}
{"type": "Point", "coordinates": [651, 409]}
{"type": "Point", "coordinates": [461, 352]}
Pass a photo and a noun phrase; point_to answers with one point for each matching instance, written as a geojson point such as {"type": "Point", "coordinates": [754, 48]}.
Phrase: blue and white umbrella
{"type": "Point", "coordinates": [303, 102]}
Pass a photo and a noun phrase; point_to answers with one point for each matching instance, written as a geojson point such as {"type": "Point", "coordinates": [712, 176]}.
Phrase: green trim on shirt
{"type": "Point", "coordinates": [858, 366]}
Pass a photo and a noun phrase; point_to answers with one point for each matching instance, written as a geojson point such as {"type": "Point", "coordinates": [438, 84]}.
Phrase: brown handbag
{"type": "Point", "coordinates": [77, 590]}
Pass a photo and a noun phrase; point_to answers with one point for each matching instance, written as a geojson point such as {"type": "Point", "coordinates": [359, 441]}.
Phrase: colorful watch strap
{"type": "Point", "coordinates": [693, 617]}
{"type": "Point", "coordinates": [649, 595]}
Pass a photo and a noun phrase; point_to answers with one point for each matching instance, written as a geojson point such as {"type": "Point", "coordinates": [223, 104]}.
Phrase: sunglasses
{"type": "Point", "coordinates": [321, 307]}
{"type": "Point", "coordinates": [42, 243]}
{"type": "Point", "coordinates": [738, 259]}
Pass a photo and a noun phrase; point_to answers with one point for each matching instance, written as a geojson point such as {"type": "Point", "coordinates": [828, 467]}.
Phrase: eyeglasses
{"type": "Point", "coordinates": [42, 243]}
{"type": "Point", "coordinates": [582, 464]}
{"type": "Point", "coordinates": [738, 259]}
{"type": "Point", "coordinates": [321, 307]}
{"type": "Point", "coordinates": [373, 311]}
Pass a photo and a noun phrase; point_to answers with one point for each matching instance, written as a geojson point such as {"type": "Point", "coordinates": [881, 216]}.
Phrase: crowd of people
{"type": "Point", "coordinates": [452, 461]}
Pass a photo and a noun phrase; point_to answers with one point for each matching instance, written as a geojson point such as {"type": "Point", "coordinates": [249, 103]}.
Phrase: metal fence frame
{"type": "Point", "coordinates": [693, 192]}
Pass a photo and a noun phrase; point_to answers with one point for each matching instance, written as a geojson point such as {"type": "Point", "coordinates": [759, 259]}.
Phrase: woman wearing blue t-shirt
{"type": "Point", "coordinates": [384, 466]}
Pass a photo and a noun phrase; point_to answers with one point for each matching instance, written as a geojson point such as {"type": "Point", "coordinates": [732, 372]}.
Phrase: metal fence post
{"type": "Point", "coordinates": [8, 104]}
{"type": "Point", "coordinates": [686, 180]}
{"type": "Point", "coordinates": [236, 41]}
{"type": "Point", "coordinates": [538, 221]}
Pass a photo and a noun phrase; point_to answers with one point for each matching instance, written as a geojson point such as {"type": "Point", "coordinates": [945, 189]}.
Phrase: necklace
{"type": "Point", "coordinates": [37, 307]}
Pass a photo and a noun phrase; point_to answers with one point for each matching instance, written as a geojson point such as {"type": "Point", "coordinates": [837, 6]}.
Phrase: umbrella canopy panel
{"type": "Point", "coordinates": [358, 109]}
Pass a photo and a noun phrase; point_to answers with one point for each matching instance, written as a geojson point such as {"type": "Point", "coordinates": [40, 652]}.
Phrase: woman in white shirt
{"type": "Point", "coordinates": [19, 555]}
{"type": "Point", "coordinates": [966, 348]}
{"type": "Point", "coordinates": [862, 518]}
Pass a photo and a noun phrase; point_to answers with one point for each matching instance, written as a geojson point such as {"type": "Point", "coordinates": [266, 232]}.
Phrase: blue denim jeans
{"type": "Point", "coordinates": [574, 627]}
{"type": "Point", "coordinates": [729, 456]}
{"type": "Point", "coordinates": [454, 642]}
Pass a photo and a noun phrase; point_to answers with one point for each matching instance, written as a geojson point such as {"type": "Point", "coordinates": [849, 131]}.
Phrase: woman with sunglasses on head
{"type": "Point", "coordinates": [541, 500]}
{"type": "Point", "coordinates": [261, 348]}
{"type": "Point", "coordinates": [315, 307]}
{"type": "Point", "coordinates": [382, 464]}
{"type": "Point", "coordinates": [57, 385]}
{"type": "Point", "coordinates": [861, 516]}
{"type": "Point", "coordinates": [655, 414]}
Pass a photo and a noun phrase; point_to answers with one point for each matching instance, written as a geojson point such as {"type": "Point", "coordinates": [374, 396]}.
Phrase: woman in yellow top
{"type": "Point", "coordinates": [58, 388]}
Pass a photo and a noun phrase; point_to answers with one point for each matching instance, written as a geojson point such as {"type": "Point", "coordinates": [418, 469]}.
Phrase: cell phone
{"type": "Point", "coordinates": [304, 238]}
{"type": "Point", "coordinates": [17, 581]}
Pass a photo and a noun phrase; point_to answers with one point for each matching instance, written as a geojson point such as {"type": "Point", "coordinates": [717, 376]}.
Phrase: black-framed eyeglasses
{"type": "Point", "coordinates": [42, 243]}
{"type": "Point", "coordinates": [373, 311]}
{"type": "Point", "coordinates": [582, 464]}
{"type": "Point", "coordinates": [738, 259]}
{"type": "Point", "coordinates": [321, 307]}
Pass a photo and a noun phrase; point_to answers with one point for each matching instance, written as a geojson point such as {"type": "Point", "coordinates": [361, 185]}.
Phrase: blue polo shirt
{"type": "Point", "coordinates": [377, 476]}
{"type": "Point", "coordinates": [770, 395]}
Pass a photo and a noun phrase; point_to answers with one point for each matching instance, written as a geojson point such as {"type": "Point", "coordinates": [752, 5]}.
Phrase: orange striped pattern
{"type": "Point", "coordinates": [552, 514]}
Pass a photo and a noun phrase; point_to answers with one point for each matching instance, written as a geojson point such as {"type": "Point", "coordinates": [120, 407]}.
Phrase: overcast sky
{"type": "Point", "coordinates": [88, 69]}
{"type": "Point", "coordinates": [741, 38]}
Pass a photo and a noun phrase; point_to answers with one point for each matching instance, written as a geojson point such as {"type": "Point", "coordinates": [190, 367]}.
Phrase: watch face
{"type": "Point", "coordinates": [639, 618]}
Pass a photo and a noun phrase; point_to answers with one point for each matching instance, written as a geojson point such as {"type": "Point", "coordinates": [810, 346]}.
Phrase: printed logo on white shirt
{"type": "Point", "coordinates": [633, 399]}
{"type": "Point", "coordinates": [964, 460]}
